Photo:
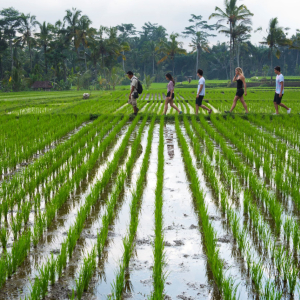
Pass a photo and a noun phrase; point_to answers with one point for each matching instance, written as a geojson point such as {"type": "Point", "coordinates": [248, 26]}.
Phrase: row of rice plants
{"type": "Point", "coordinates": [19, 245]}
{"type": "Point", "coordinates": [241, 234]}
{"type": "Point", "coordinates": [50, 187]}
{"type": "Point", "coordinates": [90, 107]}
{"type": "Point", "coordinates": [28, 135]}
{"type": "Point", "coordinates": [260, 192]}
{"type": "Point", "coordinates": [285, 167]}
{"type": "Point", "coordinates": [60, 161]}
{"type": "Point", "coordinates": [44, 220]}
{"type": "Point", "coordinates": [87, 268]}
{"type": "Point", "coordinates": [225, 285]}
{"type": "Point", "coordinates": [286, 162]}
{"type": "Point", "coordinates": [220, 190]}
{"type": "Point", "coordinates": [159, 275]}
{"type": "Point", "coordinates": [128, 241]}
{"type": "Point", "coordinates": [285, 127]}
{"type": "Point", "coordinates": [39, 288]}
{"type": "Point", "coordinates": [27, 181]}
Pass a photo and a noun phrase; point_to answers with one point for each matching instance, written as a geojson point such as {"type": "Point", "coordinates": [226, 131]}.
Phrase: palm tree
{"type": "Point", "coordinates": [83, 33]}
{"type": "Point", "coordinates": [126, 30]}
{"type": "Point", "coordinates": [109, 46]}
{"type": "Point", "coordinates": [150, 52]}
{"type": "Point", "coordinates": [231, 15]}
{"type": "Point", "coordinates": [274, 39]}
{"type": "Point", "coordinates": [199, 36]}
{"type": "Point", "coordinates": [28, 23]}
{"type": "Point", "coordinates": [170, 49]}
{"type": "Point", "coordinates": [72, 18]}
{"type": "Point", "coordinates": [148, 80]}
{"type": "Point", "coordinates": [199, 43]}
{"type": "Point", "coordinates": [296, 45]}
{"type": "Point", "coordinates": [44, 38]}
{"type": "Point", "coordinates": [116, 77]}
{"type": "Point", "coordinates": [3, 47]}
{"type": "Point", "coordinates": [10, 22]}
{"type": "Point", "coordinates": [240, 35]}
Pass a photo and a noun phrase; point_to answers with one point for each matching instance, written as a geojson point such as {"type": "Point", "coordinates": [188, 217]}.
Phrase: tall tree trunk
{"type": "Point", "coordinates": [231, 54]}
{"type": "Point", "coordinates": [65, 71]}
{"type": "Point", "coordinates": [153, 58]}
{"type": "Point", "coordinates": [297, 58]}
{"type": "Point", "coordinates": [85, 60]}
{"type": "Point", "coordinates": [103, 66]}
{"type": "Point", "coordinates": [11, 53]}
{"type": "Point", "coordinates": [123, 62]}
{"type": "Point", "coordinates": [29, 44]}
{"type": "Point", "coordinates": [173, 63]}
{"type": "Point", "coordinates": [1, 72]}
{"type": "Point", "coordinates": [46, 66]}
{"type": "Point", "coordinates": [284, 68]}
{"type": "Point", "coordinates": [271, 66]}
{"type": "Point", "coordinates": [238, 53]}
{"type": "Point", "coordinates": [197, 61]}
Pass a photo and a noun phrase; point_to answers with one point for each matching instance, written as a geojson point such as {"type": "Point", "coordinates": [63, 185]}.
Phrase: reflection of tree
{"type": "Point", "coordinates": [170, 144]}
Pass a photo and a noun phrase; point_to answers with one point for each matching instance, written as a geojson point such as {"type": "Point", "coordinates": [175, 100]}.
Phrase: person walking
{"type": "Point", "coordinates": [279, 91]}
{"type": "Point", "coordinates": [133, 92]}
{"type": "Point", "coordinates": [170, 94]}
{"type": "Point", "coordinates": [241, 81]}
{"type": "Point", "coordinates": [201, 92]}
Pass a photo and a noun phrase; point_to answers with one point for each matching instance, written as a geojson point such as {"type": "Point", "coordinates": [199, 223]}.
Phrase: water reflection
{"type": "Point", "coordinates": [170, 141]}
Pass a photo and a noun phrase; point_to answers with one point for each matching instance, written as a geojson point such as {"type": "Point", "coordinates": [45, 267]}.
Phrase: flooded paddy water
{"type": "Point", "coordinates": [254, 220]}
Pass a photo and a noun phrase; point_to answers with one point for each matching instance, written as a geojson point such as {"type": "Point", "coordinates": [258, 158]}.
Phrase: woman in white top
{"type": "Point", "coordinates": [170, 94]}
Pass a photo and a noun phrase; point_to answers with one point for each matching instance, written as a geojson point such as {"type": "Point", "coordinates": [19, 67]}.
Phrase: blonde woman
{"type": "Point", "coordinates": [241, 81]}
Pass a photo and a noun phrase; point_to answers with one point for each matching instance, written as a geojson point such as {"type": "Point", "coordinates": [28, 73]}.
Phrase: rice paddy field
{"type": "Point", "coordinates": [96, 203]}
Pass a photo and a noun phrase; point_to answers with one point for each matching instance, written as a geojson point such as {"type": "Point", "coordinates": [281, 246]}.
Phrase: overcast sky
{"type": "Point", "coordinates": [172, 14]}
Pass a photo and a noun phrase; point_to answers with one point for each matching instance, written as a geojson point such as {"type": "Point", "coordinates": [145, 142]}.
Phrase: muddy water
{"type": "Point", "coordinates": [19, 284]}
{"type": "Point", "coordinates": [100, 285]}
{"type": "Point", "coordinates": [233, 261]}
{"type": "Point", "coordinates": [87, 240]}
{"type": "Point", "coordinates": [186, 261]}
{"type": "Point", "coordinates": [139, 278]}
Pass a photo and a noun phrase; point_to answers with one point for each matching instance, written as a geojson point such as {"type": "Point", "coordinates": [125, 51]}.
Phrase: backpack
{"type": "Point", "coordinates": [139, 87]}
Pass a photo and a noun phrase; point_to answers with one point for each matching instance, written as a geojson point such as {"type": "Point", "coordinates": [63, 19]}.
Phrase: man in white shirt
{"type": "Point", "coordinates": [201, 92]}
{"type": "Point", "coordinates": [133, 92]}
{"type": "Point", "coordinates": [279, 91]}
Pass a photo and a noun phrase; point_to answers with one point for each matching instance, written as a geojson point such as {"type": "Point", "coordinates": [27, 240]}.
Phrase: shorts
{"type": "Point", "coordinates": [277, 99]}
{"type": "Point", "coordinates": [199, 100]}
{"type": "Point", "coordinates": [132, 101]}
{"type": "Point", "coordinates": [239, 92]}
{"type": "Point", "coordinates": [169, 93]}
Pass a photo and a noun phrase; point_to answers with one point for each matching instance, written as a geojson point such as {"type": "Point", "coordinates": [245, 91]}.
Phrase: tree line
{"type": "Point", "coordinates": [73, 52]}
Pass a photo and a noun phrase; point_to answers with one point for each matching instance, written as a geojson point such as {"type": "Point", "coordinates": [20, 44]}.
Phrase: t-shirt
{"type": "Point", "coordinates": [201, 81]}
{"type": "Point", "coordinates": [279, 81]}
{"type": "Point", "coordinates": [134, 82]}
{"type": "Point", "coordinates": [170, 86]}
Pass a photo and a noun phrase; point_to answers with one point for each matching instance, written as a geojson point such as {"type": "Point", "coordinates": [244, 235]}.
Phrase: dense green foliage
{"type": "Point", "coordinates": [71, 53]}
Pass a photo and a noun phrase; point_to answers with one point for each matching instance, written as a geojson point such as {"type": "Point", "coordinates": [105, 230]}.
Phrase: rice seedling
{"type": "Point", "coordinates": [4, 233]}
{"type": "Point", "coordinates": [159, 275]}
{"type": "Point", "coordinates": [128, 241]}
{"type": "Point", "coordinates": [216, 264]}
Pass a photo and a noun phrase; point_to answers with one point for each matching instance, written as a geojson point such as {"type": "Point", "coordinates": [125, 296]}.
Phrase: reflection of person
{"type": "Point", "coordinates": [170, 144]}
{"type": "Point", "coordinates": [201, 92]}
{"type": "Point", "coordinates": [279, 91]}
{"type": "Point", "coordinates": [133, 92]}
{"type": "Point", "coordinates": [240, 79]}
{"type": "Point", "coordinates": [170, 94]}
